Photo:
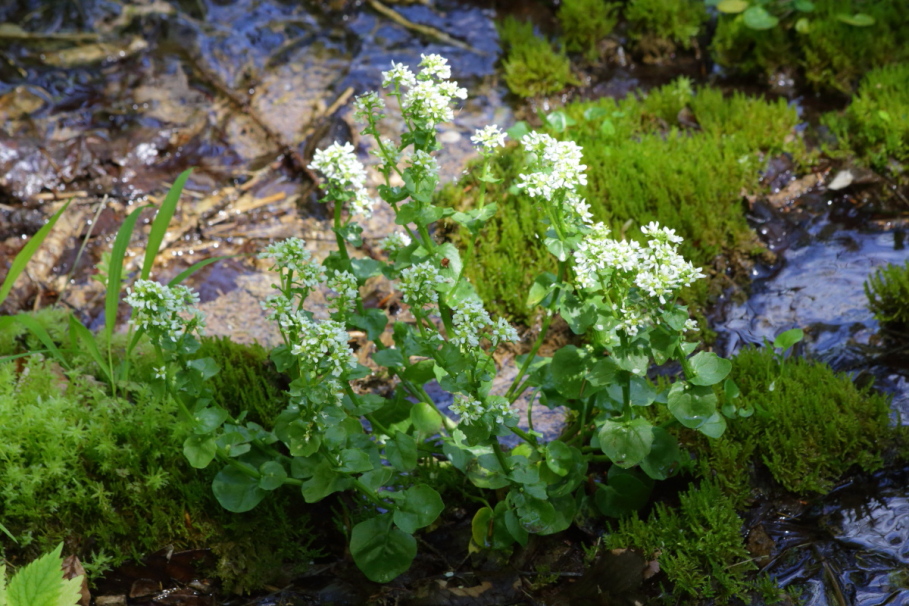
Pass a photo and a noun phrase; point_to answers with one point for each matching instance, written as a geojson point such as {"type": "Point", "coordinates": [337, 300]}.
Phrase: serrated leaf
{"type": "Point", "coordinates": [41, 583]}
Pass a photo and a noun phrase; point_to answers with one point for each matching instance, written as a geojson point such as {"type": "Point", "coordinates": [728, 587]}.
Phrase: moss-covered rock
{"type": "Point", "coordinates": [810, 426]}
{"type": "Point", "coordinates": [586, 22]}
{"type": "Point", "coordinates": [660, 27]}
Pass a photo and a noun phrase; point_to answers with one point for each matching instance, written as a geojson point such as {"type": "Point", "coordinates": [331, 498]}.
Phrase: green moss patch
{"type": "Point", "coordinates": [875, 126]}
{"type": "Point", "coordinates": [810, 426]}
{"type": "Point", "coordinates": [662, 26]}
{"type": "Point", "coordinates": [107, 476]}
{"type": "Point", "coordinates": [676, 157]}
{"type": "Point", "coordinates": [531, 66]}
{"type": "Point", "coordinates": [832, 45]}
{"type": "Point", "coordinates": [887, 290]}
{"type": "Point", "coordinates": [585, 23]}
{"type": "Point", "coordinates": [698, 545]}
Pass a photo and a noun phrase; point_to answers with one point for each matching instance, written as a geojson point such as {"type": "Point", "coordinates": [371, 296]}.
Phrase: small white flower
{"type": "Point", "coordinates": [468, 408]}
{"type": "Point", "coordinates": [344, 284]}
{"type": "Point", "coordinates": [501, 332]}
{"type": "Point", "coordinates": [434, 66]}
{"type": "Point", "coordinates": [691, 324]}
{"type": "Point", "coordinates": [164, 312]}
{"type": "Point", "coordinates": [419, 283]}
{"type": "Point", "coordinates": [160, 372]}
{"type": "Point", "coordinates": [394, 242]}
{"type": "Point", "coordinates": [321, 347]}
{"type": "Point", "coordinates": [488, 138]}
{"type": "Point", "coordinates": [344, 172]}
{"type": "Point", "coordinates": [366, 105]}
{"type": "Point", "coordinates": [398, 75]}
{"type": "Point", "coordinates": [470, 322]}
{"type": "Point", "coordinates": [424, 164]}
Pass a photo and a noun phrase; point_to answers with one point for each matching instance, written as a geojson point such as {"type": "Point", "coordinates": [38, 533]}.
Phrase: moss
{"type": "Point", "coordinates": [660, 26]}
{"type": "Point", "coordinates": [108, 476]}
{"type": "Point", "coordinates": [585, 23]}
{"type": "Point", "coordinates": [810, 426]}
{"type": "Point", "coordinates": [247, 380]}
{"type": "Point", "coordinates": [643, 165]}
{"type": "Point", "coordinates": [830, 53]}
{"type": "Point", "coordinates": [531, 65]}
{"type": "Point", "coordinates": [875, 126]}
{"type": "Point", "coordinates": [698, 545]}
{"type": "Point", "coordinates": [887, 290]}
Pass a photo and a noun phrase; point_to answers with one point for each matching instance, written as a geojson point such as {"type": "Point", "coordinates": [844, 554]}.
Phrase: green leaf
{"type": "Point", "coordinates": [389, 358]}
{"type": "Point", "coordinates": [199, 450]}
{"type": "Point", "coordinates": [709, 368]}
{"type": "Point", "coordinates": [417, 507]}
{"type": "Point", "coordinates": [559, 121]}
{"type": "Point", "coordinates": [84, 336]}
{"type": "Point", "coordinates": [237, 491]}
{"type": "Point", "coordinates": [207, 367]}
{"type": "Point", "coordinates": [518, 130]}
{"type": "Point", "coordinates": [713, 427]}
{"type": "Point", "coordinates": [273, 475]}
{"type": "Point", "coordinates": [115, 271]}
{"type": "Point", "coordinates": [664, 457]}
{"type": "Point", "coordinates": [540, 288]}
{"type": "Point", "coordinates": [421, 372]}
{"type": "Point", "coordinates": [27, 252]}
{"type": "Point", "coordinates": [376, 478]}
{"type": "Point", "coordinates": [426, 418]}
{"type": "Point", "coordinates": [209, 419]}
{"type": "Point", "coordinates": [692, 406]}
{"type": "Point", "coordinates": [603, 372]}
{"type": "Point", "coordinates": [579, 315]}
{"type": "Point", "coordinates": [805, 6]}
{"type": "Point", "coordinates": [803, 25]}
{"type": "Point", "coordinates": [789, 338]}
{"type": "Point", "coordinates": [594, 113]}
{"type": "Point", "coordinates": [162, 220]}
{"type": "Point", "coordinates": [381, 551]}
{"type": "Point", "coordinates": [37, 329]}
{"type": "Point", "coordinates": [560, 457]}
{"type": "Point", "coordinates": [568, 369]}
{"type": "Point", "coordinates": [607, 128]}
{"type": "Point", "coordinates": [624, 493]}
{"type": "Point", "coordinates": [324, 481]}
{"type": "Point", "coordinates": [757, 18]}
{"type": "Point", "coordinates": [354, 460]}
{"type": "Point", "coordinates": [366, 268]}
{"type": "Point", "coordinates": [626, 444]}
{"type": "Point", "coordinates": [196, 267]}
{"type": "Point", "coordinates": [536, 515]}
{"type": "Point", "coordinates": [373, 321]}
{"type": "Point", "coordinates": [558, 248]}
{"type": "Point", "coordinates": [857, 20]}
{"type": "Point", "coordinates": [731, 7]}
{"type": "Point", "coordinates": [41, 583]}
{"type": "Point", "coordinates": [401, 451]}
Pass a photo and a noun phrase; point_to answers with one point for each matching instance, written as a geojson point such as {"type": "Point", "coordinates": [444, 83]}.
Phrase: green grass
{"type": "Point", "coordinates": [875, 125]}
{"type": "Point", "coordinates": [107, 475]}
{"type": "Point", "coordinates": [643, 165]}
{"type": "Point", "coordinates": [531, 66]}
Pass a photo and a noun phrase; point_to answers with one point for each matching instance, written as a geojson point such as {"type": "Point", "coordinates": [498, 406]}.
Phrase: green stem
{"type": "Point", "coordinates": [497, 448]}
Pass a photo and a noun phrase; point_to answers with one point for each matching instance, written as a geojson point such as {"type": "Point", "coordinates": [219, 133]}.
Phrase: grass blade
{"type": "Point", "coordinates": [78, 332]}
{"type": "Point", "coordinates": [39, 331]}
{"type": "Point", "coordinates": [162, 220]}
{"type": "Point", "coordinates": [115, 271]}
{"type": "Point", "coordinates": [196, 267]}
{"type": "Point", "coordinates": [26, 254]}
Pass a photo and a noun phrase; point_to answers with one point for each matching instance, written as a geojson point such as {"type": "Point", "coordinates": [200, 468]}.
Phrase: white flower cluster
{"type": "Point", "coordinates": [366, 105]}
{"type": "Point", "coordinates": [424, 165]}
{"type": "Point", "coordinates": [164, 312]}
{"type": "Point", "coordinates": [291, 254]}
{"type": "Point", "coordinates": [344, 284]}
{"type": "Point", "coordinates": [429, 95]}
{"type": "Point", "coordinates": [557, 175]}
{"type": "Point", "coordinates": [320, 346]}
{"type": "Point", "coordinates": [657, 270]}
{"type": "Point", "coordinates": [340, 166]}
{"type": "Point", "coordinates": [277, 306]}
{"type": "Point", "coordinates": [471, 410]}
{"type": "Point", "coordinates": [419, 283]}
{"type": "Point", "coordinates": [488, 138]}
{"type": "Point", "coordinates": [471, 323]}
{"type": "Point", "coordinates": [394, 242]}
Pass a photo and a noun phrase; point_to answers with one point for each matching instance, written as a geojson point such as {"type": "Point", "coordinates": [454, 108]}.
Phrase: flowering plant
{"type": "Point", "coordinates": [338, 435]}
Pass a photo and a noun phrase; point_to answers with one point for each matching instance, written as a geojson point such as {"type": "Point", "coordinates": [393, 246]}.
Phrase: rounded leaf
{"type": "Point", "coordinates": [757, 17]}
{"type": "Point", "coordinates": [692, 406]}
{"type": "Point", "coordinates": [380, 550]}
{"type": "Point", "coordinates": [626, 444]}
{"type": "Point", "coordinates": [420, 507]}
{"type": "Point", "coordinates": [426, 418]}
{"type": "Point", "coordinates": [709, 368]}
{"type": "Point", "coordinates": [273, 475]}
{"type": "Point", "coordinates": [199, 450]}
{"type": "Point", "coordinates": [237, 491]}
{"type": "Point", "coordinates": [857, 20]}
{"type": "Point", "coordinates": [664, 457]}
